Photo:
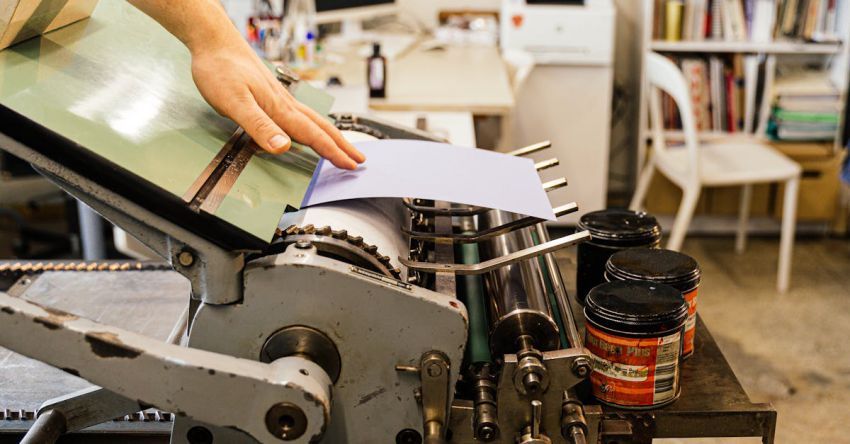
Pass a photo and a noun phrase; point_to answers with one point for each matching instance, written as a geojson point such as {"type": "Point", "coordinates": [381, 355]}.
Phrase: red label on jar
{"type": "Point", "coordinates": [638, 372]}
{"type": "Point", "coordinates": [690, 323]}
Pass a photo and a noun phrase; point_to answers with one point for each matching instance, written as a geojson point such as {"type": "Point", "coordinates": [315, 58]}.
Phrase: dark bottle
{"type": "Point", "coordinates": [376, 73]}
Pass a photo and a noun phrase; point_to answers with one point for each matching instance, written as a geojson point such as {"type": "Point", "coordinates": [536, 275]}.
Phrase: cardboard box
{"type": "Point", "coordinates": [24, 19]}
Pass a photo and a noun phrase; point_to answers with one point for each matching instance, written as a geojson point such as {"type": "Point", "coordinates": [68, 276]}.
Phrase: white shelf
{"type": "Point", "coordinates": [717, 46]}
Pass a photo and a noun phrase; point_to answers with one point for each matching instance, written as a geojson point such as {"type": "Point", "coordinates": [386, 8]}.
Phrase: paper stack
{"type": "Point", "coordinates": [807, 108]}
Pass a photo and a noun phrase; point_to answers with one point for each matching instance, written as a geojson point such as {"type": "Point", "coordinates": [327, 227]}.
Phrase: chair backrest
{"type": "Point", "coordinates": [664, 75]}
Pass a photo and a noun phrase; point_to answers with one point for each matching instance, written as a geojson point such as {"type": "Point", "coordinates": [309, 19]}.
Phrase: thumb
{"type": "Point", "coordinates": [261, 128]}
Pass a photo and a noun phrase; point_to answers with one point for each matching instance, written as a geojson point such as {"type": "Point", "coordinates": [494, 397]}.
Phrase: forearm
{"type": "Point", "coordinates": [199, 24]}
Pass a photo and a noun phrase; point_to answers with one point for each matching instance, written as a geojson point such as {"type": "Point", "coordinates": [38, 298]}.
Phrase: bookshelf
{"type": "Point", "coordinates": [721, 46]}
{"type": "Point", "coordinates": [832, 56]}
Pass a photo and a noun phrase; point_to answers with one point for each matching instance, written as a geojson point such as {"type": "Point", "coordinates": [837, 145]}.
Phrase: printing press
{"type": "Point", "coordinates": [369, 321]}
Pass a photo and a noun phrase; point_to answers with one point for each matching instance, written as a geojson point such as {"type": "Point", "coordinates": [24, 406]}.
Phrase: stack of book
{"type": "Point", "coordinates": [740, 20]}
{"type": "Point", "coordinates": [722, 97]}
{"type": "Point", "coordinates": [807, 108]}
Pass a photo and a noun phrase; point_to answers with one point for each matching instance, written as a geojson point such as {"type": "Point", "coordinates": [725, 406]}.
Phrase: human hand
{"type": "Point", "coordinates": [236, 83]}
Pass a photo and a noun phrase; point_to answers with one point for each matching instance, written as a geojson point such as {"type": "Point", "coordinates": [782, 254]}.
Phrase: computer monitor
{"type": "Point", "coordinates": [351, 11]}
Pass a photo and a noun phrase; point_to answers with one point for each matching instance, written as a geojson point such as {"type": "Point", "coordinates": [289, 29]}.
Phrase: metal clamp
{"type": "Point", "coordinates": [493, 264]}
{"type": "Point", "coordinates": [492, 231]}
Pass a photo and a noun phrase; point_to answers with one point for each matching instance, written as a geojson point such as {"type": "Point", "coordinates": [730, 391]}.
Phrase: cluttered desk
{"type": "Point", "coordinates": [454, 324]}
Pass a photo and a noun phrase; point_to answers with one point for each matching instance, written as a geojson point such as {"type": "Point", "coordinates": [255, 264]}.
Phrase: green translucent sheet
{"type": "Point", "coordinates": [121, 86]}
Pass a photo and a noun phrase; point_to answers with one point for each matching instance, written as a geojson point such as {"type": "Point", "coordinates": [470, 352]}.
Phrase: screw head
{"type": "Point", "coordinates": [186, 258]}
{"type": "Point", "coordinates": [435, 370]}
{"type": "Point", "coordinates": [408, 436]}
{"type": "Point", "coordinates": [486, 433]}
{"type": "Point", "coordinates": [286, 421]}
{"type": "Point", "coordinates": [303, 245]}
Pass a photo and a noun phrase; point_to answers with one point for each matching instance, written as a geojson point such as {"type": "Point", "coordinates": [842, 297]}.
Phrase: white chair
{"type": "Point", "coordinates": [735, 162]}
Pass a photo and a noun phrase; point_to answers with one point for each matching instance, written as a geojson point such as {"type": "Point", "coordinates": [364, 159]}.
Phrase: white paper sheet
{"type": "Point", "coordinates": [436, 171]}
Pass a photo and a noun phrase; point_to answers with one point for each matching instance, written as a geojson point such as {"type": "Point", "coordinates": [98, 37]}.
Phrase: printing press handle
{"type": "Point", "coordinates": [168, 376]}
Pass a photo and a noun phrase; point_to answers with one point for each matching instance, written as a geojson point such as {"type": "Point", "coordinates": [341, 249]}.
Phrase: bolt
{"type": "Point", "coordinates": [486, 433]}
{"type": "Point", "coordinates": [303, 245]}
{"type": "Point", "coordinates": [408, 436]}
{"type": "Point", "coordinates": [531, 382]}
{"type": "Point", "coordinates": [434, 370]}
{"type": "Point", "coordinates": [286, 421]}
{"type": "Point", "coordinates": [581, 367]}
{"type": "Point", "coordinates": [186, 258]}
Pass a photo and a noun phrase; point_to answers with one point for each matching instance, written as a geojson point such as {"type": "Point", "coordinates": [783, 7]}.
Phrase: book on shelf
{"type": "Point", "coordinates": [806, 107]}
{"type": "Point", "coordinates": [723, 91]}
{"type": "Point", "coordinates": [746, 20]}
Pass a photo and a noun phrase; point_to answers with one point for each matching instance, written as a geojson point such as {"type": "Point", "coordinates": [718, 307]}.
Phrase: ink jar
{"type": "Point", "coordinates": [669, 267]}
{"type": "Point", "coordinates": [633, 331]}
{"type": "Point", "coordinates": [610, 230]}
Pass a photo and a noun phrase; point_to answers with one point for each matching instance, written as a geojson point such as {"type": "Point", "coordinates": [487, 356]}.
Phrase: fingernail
{"type": "Point", "coordinates": [351, 165]}
{"type": "Point", "coordinates": [279, 142]}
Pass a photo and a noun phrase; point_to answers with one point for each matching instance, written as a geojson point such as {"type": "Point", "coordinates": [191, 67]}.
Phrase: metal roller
{"type": "Point", "coordinates": [519, 304]}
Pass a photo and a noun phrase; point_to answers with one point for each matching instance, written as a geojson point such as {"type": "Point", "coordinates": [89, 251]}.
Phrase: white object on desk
{"type": "Point", "coordinates": [456, 127]}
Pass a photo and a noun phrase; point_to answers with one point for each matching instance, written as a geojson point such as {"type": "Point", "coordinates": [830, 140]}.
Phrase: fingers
{"type": "Point", "coordinates": [335, 134]}
{"type": "Point", "coordinates": [265, 132]}
{"type": "Point", "coordinates": [306, 131]}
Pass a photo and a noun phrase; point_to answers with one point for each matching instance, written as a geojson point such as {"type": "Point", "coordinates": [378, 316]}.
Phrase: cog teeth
{"type": "Point", "coordinates": [343, 235]}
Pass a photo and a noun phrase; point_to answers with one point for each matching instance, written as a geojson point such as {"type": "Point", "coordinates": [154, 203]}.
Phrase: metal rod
{"type": "Point", "coordinates": [530, 148]}
{"type": "Point", "coordinates": [561, 296]}
{"type": "Point", "coordinates": [180, 327]}
{"type": "Point", "coordinates": [489, 232]}
{"type": "Point", "coordinates": [91, 233]}
{"type": "Point", "coordinates": [555, 184]}
{"type": "Point", "coordinates": [549, 163]}
{"type": "Point", "coordinates": [47, 429]}
{"type": "Point", "coordinates": [492, 264]}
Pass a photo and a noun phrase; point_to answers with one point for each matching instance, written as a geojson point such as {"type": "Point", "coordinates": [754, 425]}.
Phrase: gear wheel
{"type": "Point", "coordinates": [330, 237]}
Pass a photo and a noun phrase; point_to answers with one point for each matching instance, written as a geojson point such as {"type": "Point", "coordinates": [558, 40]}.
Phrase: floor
{"type": "Point", "coordinates": [791, 349]}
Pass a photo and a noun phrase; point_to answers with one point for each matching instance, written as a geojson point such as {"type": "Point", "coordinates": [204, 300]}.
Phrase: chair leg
{"type": "Point", "coordinates": [642, 186]}
{"type": "Point", "coordinates": [690, 196]}
{"type": "Point", "coordinates": [743, 218]}
{"type": "Point", "coordinates": [786, 241]}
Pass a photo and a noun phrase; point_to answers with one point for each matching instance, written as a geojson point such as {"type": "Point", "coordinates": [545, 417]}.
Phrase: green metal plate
{"type": "Point", "coordinates": [119, 85]}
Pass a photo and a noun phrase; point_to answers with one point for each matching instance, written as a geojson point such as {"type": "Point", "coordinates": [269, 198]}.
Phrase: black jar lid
{"type": "Point", "coordinates": [655, 265]}
{"type": "Point", "coordinates": [620, 227]}
{"type": "Point", "coordinates": [635, 308]}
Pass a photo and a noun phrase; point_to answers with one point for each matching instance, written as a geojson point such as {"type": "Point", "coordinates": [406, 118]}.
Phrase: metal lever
{"type": "Point", "coordinates": [531, 434]}
{"type": "Point", "coordinates": [530, 148]}
{"type": "Point", "coordinates": [289, 398]}
{"type": "Point", "coordinates": [549, 163]}
{"type": "Point", "coordinates": [536, 417]}
{"type": "Point", "coordinates": [489, 232]}
{"type": "Point", "coordinates": [493, 264]}
{"type": "Point", "coordinates": [469, 210]}
{"type": "Point", "coordinates": [555, 184]}
{"type": "Point", "coordinates": [434, 374]}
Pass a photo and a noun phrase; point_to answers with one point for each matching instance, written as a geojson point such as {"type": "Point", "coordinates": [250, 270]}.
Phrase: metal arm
{"type": "Point", "coordinates": [288, 398]}
{"type": "Point", "coordinates": [492, 264]}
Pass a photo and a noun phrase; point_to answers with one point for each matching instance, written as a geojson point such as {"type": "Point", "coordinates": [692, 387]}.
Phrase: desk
{"type": "Point", "coordinates": [458, 78]}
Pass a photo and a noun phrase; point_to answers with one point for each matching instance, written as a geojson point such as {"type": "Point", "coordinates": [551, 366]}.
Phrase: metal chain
{"type": "Point", "coordinates": [15, 268]}
{"type": "Point", "coordinates": [355, 241]}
